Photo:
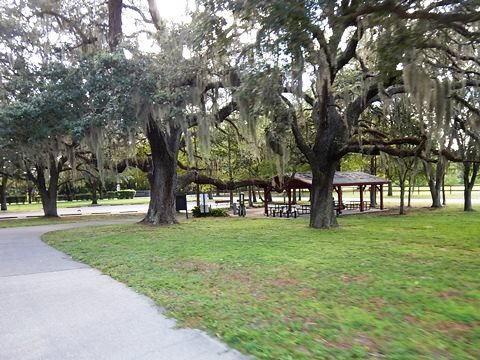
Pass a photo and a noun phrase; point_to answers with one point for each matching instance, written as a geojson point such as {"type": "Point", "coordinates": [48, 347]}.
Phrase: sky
{"type": "Point", "coordinates": [170, 11]}
{"type": "Point", "coordinates": [174, 11]}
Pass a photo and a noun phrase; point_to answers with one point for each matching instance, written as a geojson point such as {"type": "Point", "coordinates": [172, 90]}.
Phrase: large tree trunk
{"type": "Point", "coordinates": [402, 196]}
{"type": "Point", "coordinates": [69, 191]}
{"type": "Point", "coordinates": [30, 189]}
{"type": "Point", "coordinates": [411, 188]}
{"type": "Point", "coordinates": [114, 23]}
{"type": "Point", "coordinates": [390, 184]}
{"type": "Point", "coordinates": [435, 181]}
{"type": "Point", "coordinates": [197, 193]}
{"type": "Point", "coordinates": [437, 190]}
{"type": "Point", "coordinates": [324, 158]}
{"type": "Point", "coordinates": [467, 199]}
{"type": "Point", "coordinates": [250, 202]}
{"type": "Point", "coordinates": [48, 194]}
{"type": "Point", "coordinates": [3, 193]}
{"type": "Point", "coordinates": [49, 203]}
{"type": "Point", "coordinates": [409, 194]}
{"type": "Point", "coordinates": [435, 194]}
{"type": "Point", "coordinates": [93, 187]}
{"type": "Point", "coordinates": [322, 214]}
{"type": "Point", "coordinates": [165, 146]}
{"type": "Point", "coordinates": [444, 197]}
{"type": "Point", "coordinates": [403, 171]}
{"type": "Point", "coordinates": [373, 196]}
{"type": "Point", "coordinates": [470, 172]}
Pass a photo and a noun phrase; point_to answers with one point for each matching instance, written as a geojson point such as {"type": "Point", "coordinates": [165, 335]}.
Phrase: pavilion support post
{"type": "Point", "coordinates": [361, 198]}
{"type": "Point", "coordinates": [289, 195]}
{"type": "Point", "coordinates": [381, 196]}
{"type": "Point", "coordinates": [340, 200]}
{"type": "Point", "coordinates": [265, 200]}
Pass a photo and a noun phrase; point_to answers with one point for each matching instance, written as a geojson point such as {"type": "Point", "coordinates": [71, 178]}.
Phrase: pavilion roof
{"type": "Point", "coordinates": [343, 178]}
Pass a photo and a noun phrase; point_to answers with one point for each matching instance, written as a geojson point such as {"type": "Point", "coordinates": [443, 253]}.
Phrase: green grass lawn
{"type": "Point", "coordinates": [382, 286]}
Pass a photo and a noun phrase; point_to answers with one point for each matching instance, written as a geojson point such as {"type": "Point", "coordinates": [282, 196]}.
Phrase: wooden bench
{"type": "Point", "coordinates": [222, 202]}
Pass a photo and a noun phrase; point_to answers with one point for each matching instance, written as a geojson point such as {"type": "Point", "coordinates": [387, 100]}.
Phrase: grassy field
{"type": "Point", "coordinates": [62, 220]}
{"type": "Point", "coordinates": [380, 286]}
{"type": "Point", "coordinates": [74, 204]}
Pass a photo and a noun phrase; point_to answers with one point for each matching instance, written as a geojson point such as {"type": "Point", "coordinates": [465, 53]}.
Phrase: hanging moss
{"type": "Point", "coordinates": [432, 95]}
{"type": "Point", "coordinates": [189, 146]}
{"type": "Point", "coordinates": [95, 142]}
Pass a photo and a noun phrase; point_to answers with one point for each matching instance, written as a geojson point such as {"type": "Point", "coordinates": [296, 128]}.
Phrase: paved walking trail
{"type": "Point", "coordinates": [52, 307]}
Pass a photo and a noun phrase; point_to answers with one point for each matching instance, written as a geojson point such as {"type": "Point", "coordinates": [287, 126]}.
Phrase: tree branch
{"type": "Point", "coordinates": [301, 143]}
{"type": "Point", "coordinates": [155, 14]}
{"type": "Point", "coordinates": [85, 39]}
{"type": "Point", "coordinates": [349, 52]}
{"type": "Point", "coordinates": [138, 11]}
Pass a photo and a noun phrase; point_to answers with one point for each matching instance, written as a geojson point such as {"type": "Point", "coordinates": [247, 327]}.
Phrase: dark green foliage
{"type": "Point", "coordinates": [111, 195]}
{"type": "Point", "coordinates": [122, 194]}
{"type": "Point", "coordinates": [50, 107]}
{"type": "Point", "coordinates": [84, 197]}
{"type": "Point", "coordinates": [126, 194]}
{"type": "Point", "coordinates": [110, 80]}
{"type": "Point", "coordinates": [77, 197]}
{"type": "Point", "coordinates": [16, 199]}
{"type": "Point", "coordinates": [212, 212]}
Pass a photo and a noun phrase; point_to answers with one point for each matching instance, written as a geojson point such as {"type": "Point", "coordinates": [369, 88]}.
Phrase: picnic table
{"type": "Point", "coordinates": [282, 210]}
{"type": "Point", "coordinates": [303, 209]}
{"type": "Point", "coordinates": [354, 204]}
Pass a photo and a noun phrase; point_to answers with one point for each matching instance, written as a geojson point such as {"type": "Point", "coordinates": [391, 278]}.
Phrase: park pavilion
{"type": "Point", "coordinates": [359, 180]}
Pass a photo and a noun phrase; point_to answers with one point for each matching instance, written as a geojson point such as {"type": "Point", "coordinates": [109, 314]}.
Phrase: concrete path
{"type": "Point", "coordinates": [52, 307]}
{"type": "Point", "coordinates": [124, 209]}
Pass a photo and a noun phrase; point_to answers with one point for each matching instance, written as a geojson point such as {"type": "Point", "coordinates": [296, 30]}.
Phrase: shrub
{"type": "Point", "coordinates": [126, 194]}
{"type": "Point", "coordinates": [111, 195]}
{"type": "Point", "coordinates": [212, 212]}
{"type": "Point", "coordinates": [16, 199]}
{"type": "Point", "coordinates": [83, 197]}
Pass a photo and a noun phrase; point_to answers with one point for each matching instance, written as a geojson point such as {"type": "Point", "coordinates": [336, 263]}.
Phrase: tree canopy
{"type": "Point", "coordinates": [333, 77]}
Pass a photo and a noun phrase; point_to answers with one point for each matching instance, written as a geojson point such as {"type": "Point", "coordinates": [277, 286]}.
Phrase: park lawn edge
{"type": "Point", "coordinates": [201, 289]}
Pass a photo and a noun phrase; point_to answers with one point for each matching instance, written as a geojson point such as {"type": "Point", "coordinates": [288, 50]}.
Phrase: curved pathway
{"type": "Point", "coordinates": [52, 307]}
